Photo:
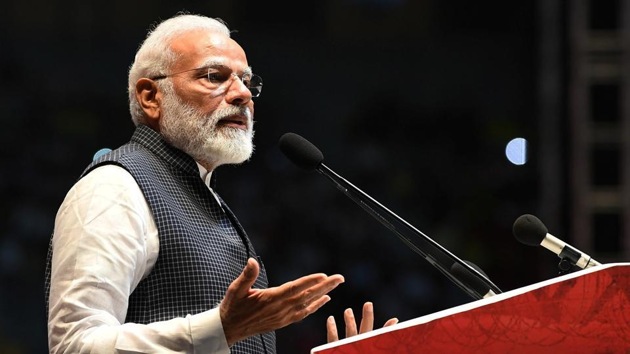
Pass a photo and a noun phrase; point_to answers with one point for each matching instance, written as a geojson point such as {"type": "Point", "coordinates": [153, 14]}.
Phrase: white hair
{"type": "Point", "coordinates": [155, 57]}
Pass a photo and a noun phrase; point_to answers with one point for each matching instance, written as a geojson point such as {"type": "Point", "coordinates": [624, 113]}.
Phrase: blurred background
{"type": "Point", "coordinates": [413, 101]}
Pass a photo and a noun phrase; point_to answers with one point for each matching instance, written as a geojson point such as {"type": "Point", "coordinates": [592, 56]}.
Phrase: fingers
{"type": "Point", "coordinates": [331, 330]}
{"type": "Point", "coordinates": [367, 323]}
{"type": "Point", "coordinates": [315, 305]}
{"type": "Point", "coordinates": [351, 324]}
{"type": "Point", "coordinates": [391, 321]}
{"type": "Point", "coordinates": [316, 285]}
{"type": "Point", "coordinates": [308, 294]}
{"type": "Point", "coordinates": [367, 319]}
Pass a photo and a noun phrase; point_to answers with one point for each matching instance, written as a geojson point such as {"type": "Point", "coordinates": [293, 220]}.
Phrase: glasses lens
{"type": "Point", "coordinates": [255, 85]}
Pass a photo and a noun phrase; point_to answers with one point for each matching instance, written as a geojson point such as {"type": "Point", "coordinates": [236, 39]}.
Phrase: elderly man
{"type": "Point", "coordinates": [145, 256]}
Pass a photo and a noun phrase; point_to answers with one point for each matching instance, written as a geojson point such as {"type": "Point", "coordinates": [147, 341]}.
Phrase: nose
{"type": "Point", "coordinates": [237, 91]}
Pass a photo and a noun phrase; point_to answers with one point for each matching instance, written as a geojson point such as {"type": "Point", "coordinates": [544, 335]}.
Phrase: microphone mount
{"type": "Point", "coordinates": [529, 230]}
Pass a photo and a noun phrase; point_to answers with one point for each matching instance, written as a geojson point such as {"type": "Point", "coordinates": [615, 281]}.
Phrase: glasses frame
{"type": "Point", "coordinates": [255, 90]}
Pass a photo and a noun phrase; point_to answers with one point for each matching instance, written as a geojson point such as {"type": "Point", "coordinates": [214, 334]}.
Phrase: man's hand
{"type": "Point", "coordinates": [246, 312]}
{"type": "Point", "coordinates": [367, 323]}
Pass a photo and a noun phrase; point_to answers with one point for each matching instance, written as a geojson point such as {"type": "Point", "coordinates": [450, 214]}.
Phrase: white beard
{"type": "Point", "coordinates": [197, 134]}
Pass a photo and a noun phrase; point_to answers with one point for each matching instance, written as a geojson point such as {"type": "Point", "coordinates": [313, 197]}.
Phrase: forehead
{"type": "Point", "coordinates": [195, 48]}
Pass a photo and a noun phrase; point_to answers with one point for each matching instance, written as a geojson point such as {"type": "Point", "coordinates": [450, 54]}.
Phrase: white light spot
{"type": "Point", "coordinates": [516, 151]}
{"type": "Point", "coordinates": [101, 152]}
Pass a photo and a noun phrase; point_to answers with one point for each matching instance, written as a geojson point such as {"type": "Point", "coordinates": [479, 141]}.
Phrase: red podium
{"type": "Point", "coordinates": [587, 311]}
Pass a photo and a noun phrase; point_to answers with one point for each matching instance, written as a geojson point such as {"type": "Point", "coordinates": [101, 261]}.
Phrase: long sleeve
{"type": "Point", "coordinates": [105, 241]}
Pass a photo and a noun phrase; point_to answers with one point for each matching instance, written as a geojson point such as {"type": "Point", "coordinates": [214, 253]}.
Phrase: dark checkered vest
{"type": "Point", "coordinates": [203, 247]}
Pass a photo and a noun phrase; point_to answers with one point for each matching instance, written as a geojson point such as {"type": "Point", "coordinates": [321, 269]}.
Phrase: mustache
{"type": "Point", "coordinates": [229, 111]}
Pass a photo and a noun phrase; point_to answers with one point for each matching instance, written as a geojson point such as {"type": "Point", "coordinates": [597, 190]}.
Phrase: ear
{"type": "Point", "coordinates": [150, 99]}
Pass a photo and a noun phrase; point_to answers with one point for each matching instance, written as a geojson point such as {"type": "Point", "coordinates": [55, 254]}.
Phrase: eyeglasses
{"type": "Point", "coordinates": [222, 78]}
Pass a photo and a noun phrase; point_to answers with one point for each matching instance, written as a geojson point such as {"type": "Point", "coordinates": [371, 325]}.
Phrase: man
{"type": "Point", "coordinates": [145, 256]}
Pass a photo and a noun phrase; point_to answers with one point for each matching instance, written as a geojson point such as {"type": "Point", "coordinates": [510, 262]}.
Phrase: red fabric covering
{"type": "Point", "coordinates": [584, 312]}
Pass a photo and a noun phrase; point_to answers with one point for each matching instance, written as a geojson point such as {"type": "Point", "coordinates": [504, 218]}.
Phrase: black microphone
{"type": "Point", "coordinates": [529, 230]}
{"type": "Point", "coordinates": [305, 155]}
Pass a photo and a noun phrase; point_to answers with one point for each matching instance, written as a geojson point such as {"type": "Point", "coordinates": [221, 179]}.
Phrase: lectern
{"type": "Point", "coordinates": [587, 311]}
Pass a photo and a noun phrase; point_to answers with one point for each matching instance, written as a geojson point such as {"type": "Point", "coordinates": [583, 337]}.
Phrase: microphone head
{"type": "Point", "coordinates": [300, 151]}
{"type": "Point", "coordinates": [529, 230]}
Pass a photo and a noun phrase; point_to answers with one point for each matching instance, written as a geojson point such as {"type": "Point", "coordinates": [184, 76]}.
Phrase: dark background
{"type": "Point", "coordinates": [411, 101]}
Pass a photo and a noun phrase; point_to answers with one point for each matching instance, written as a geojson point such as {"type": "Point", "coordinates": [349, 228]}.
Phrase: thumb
{"type": "Point", "coordinates": [251, 270]}
{"type": "Point", "coordinates": [241, 285]}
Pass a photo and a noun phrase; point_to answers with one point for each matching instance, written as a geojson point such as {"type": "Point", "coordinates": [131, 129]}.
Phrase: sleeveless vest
{"type": "Point", "coordinates": [203, 247]}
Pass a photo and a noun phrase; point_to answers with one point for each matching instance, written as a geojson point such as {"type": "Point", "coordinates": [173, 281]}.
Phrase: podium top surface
{"type": "Point", "coordinates": [587, 311]}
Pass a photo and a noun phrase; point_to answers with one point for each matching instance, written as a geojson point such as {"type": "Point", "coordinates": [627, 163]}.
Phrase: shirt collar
{"type": "Point", "coordinates": [204, 174]}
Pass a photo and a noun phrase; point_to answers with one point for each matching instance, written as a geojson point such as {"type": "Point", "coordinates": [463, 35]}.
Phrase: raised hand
{"type": "Point", "coordinates": [367, 323]}
{"type": "Point", "coordinates": [246, 312]}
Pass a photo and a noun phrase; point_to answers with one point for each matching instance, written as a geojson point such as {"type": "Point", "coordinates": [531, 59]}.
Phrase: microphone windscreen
{"type": "Point", "coordinates": [529, 230]}
{"type": "Point", "coordinates": [300, 151]}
